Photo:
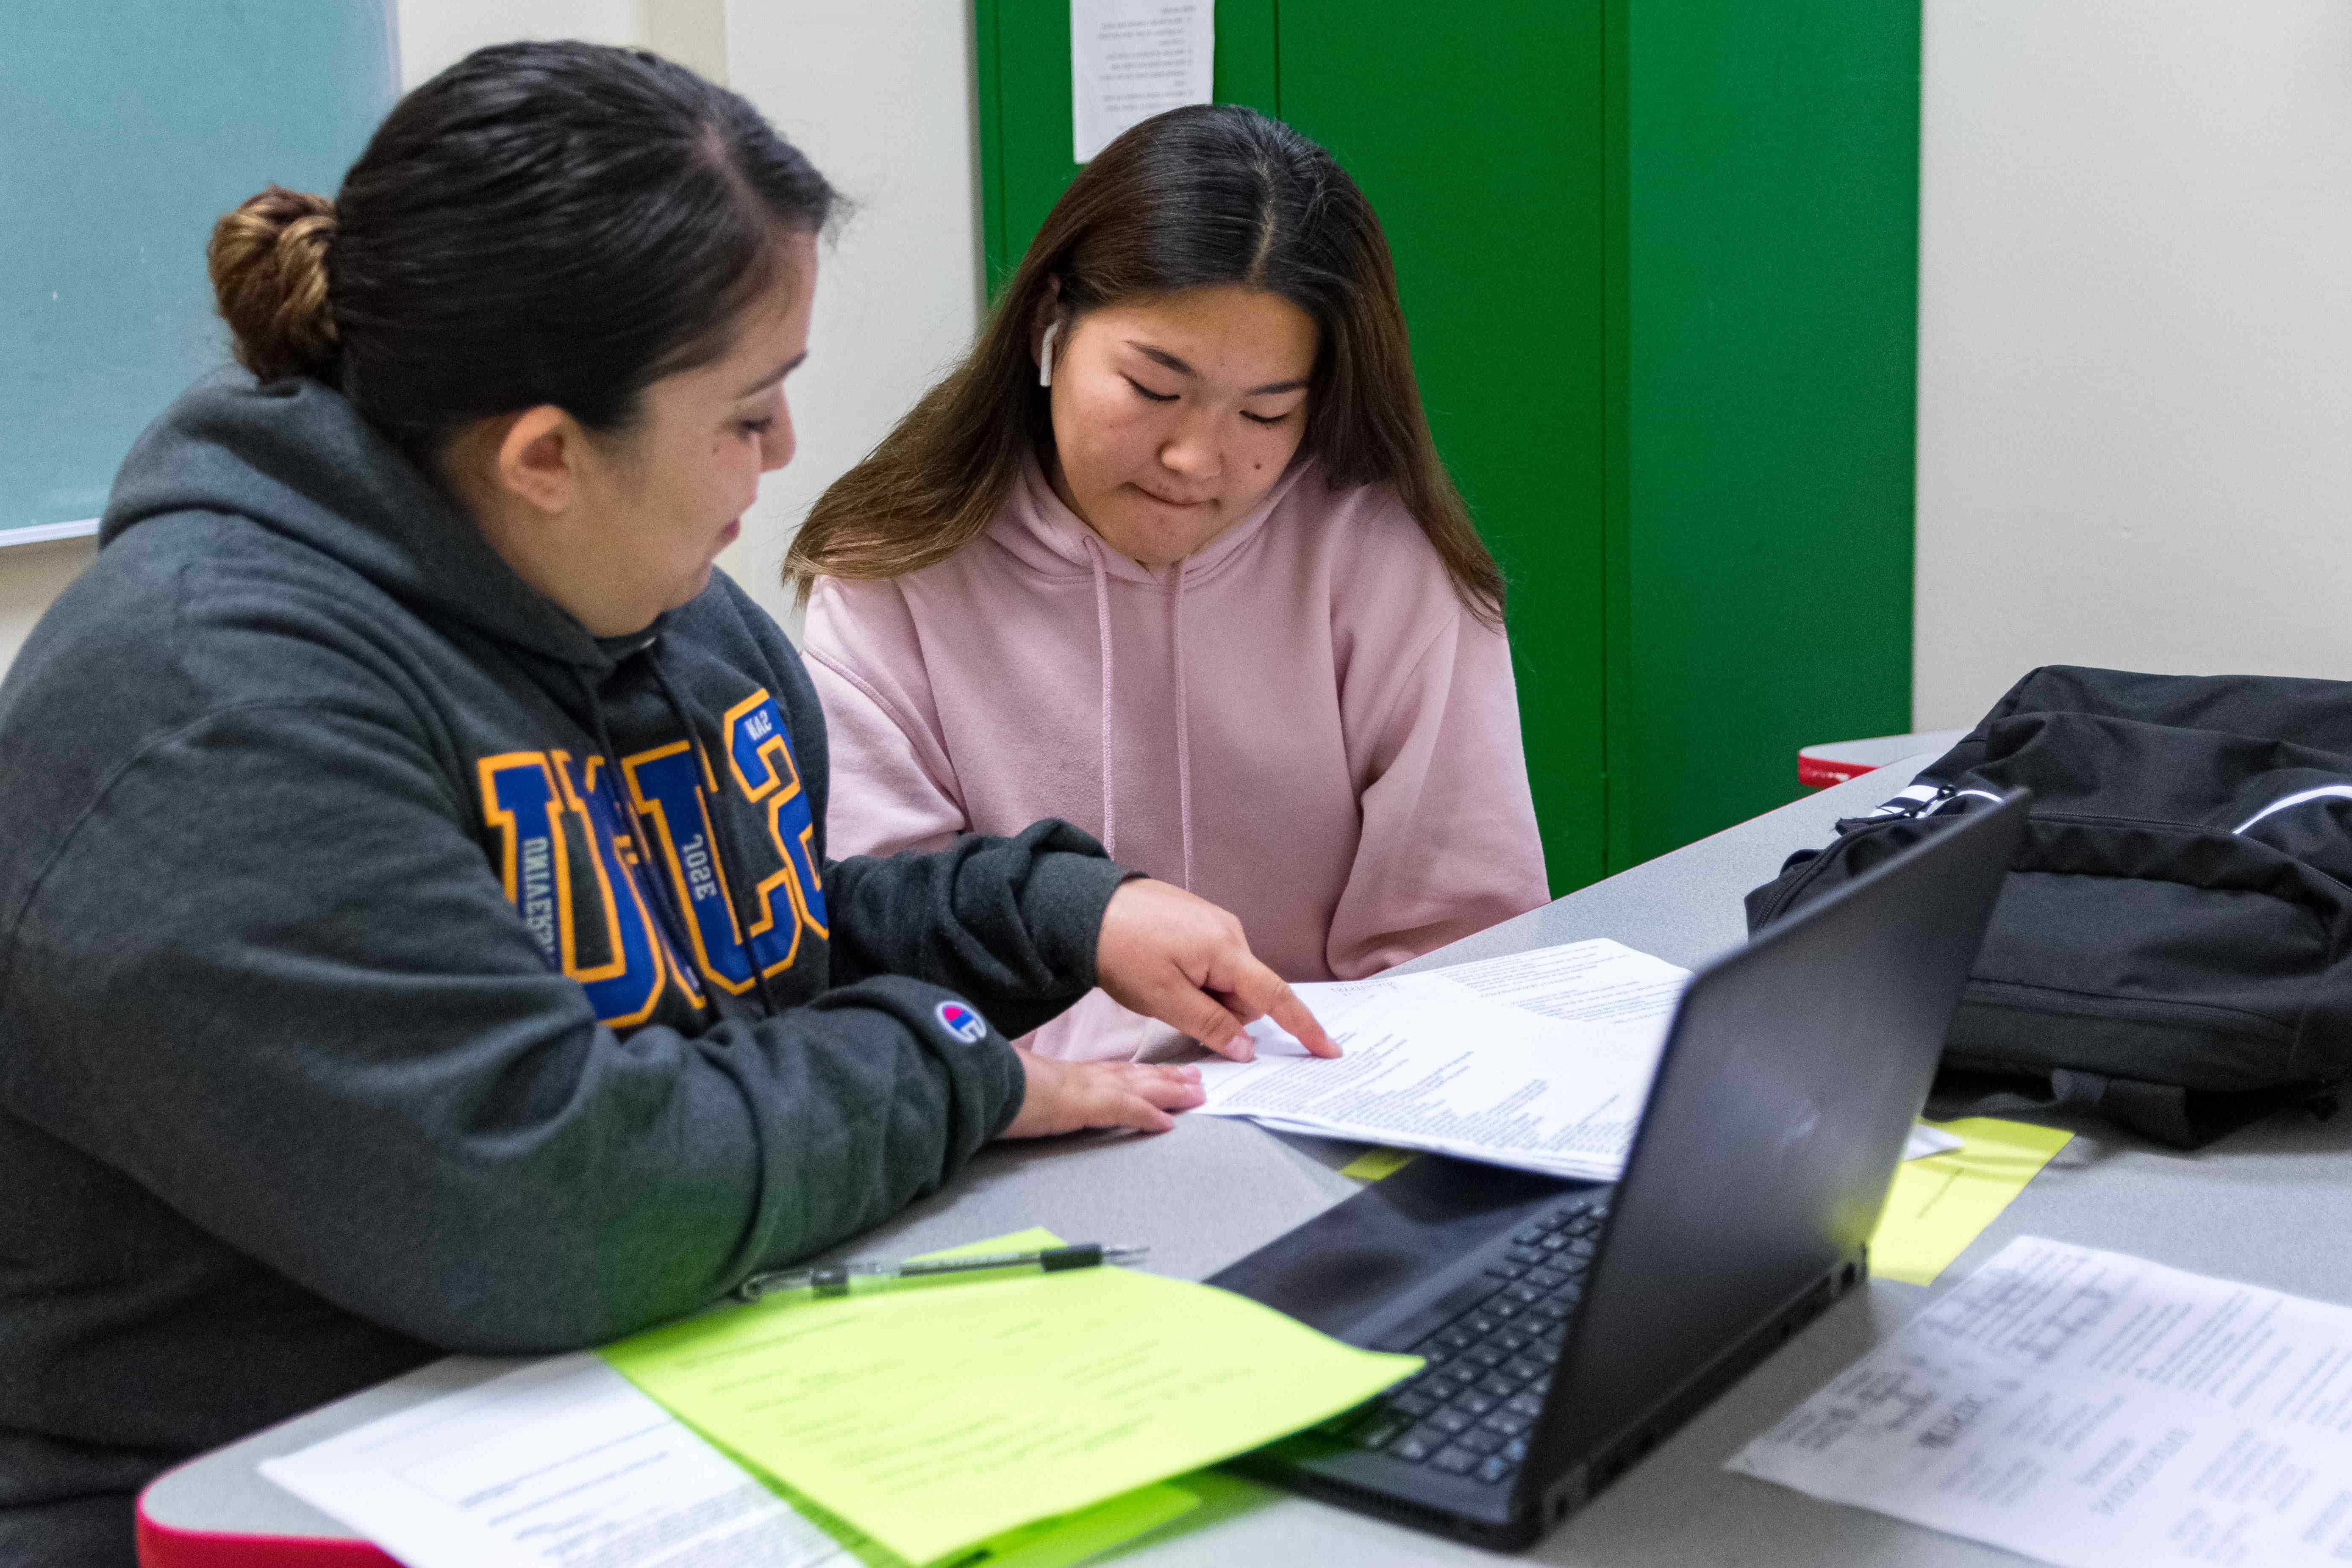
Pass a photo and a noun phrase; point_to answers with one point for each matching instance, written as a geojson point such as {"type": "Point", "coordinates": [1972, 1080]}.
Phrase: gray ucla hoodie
{"type": "Point", "coordinates": [388, 967]}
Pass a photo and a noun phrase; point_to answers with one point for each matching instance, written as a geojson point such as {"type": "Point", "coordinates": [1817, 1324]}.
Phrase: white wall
{"type": "Point", "coordinates": [879, 94]}
{"type": "Point", "coordinates": [438, 33]}
{"type": "Point", "coordinates": [2136, 342]}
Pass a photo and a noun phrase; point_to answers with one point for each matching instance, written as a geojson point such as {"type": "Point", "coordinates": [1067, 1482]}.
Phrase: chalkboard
{"type": "Point", "coordinates": [126, 128]}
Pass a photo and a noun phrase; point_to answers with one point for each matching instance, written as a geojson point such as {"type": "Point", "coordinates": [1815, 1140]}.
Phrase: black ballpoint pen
{"type": "Point", "coordinates": [836, 1280]}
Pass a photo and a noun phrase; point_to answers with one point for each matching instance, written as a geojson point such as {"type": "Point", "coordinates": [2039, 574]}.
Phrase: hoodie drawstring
{"type": "Point", "coordinates": [1102, 642]}
{"type": "Point", "coordinates": [1184, 709]}
{"type": "Point", "coordinates": [1184, 728]}
{"type": "Point", "coordinates": [1183, 725]}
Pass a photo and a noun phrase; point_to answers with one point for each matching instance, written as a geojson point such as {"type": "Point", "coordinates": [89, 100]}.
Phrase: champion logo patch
{"type": "Point", "coordinates": [963, 1023]}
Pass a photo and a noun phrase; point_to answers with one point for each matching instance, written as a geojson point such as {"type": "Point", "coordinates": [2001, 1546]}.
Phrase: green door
{"type": "Point", "coordinates": [1477, 132]}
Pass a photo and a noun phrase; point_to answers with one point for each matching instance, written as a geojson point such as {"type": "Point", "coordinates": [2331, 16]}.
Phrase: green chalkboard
{"type": "Point", "coordinates": [125, 129]}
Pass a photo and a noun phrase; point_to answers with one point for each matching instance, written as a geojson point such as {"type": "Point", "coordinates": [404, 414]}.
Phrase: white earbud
{"type": "Point", "coordinates": [1046, 355]}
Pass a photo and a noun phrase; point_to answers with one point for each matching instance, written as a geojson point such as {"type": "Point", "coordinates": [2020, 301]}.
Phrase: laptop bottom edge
{"type": "Point", "coordinates": [1374, 1484]}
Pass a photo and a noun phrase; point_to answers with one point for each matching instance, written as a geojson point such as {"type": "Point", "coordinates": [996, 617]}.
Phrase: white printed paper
{"type": "Point", "coordinates": [1541, 1062]}
{"type": "Point", "coordinates": [1130, 59]}
{"type": "Point", "coordinates": [1586, 982]}
{"type": "Point", "coordinates": [562, 1464]}
{"type": "Point", "coordinates": [2092, 1409]}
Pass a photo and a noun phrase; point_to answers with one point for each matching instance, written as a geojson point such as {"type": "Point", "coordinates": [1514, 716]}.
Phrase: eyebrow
{"type": "Point", "coordinates": [775, 375]}
{"type": "Point", "coordinates": [1163, 357]}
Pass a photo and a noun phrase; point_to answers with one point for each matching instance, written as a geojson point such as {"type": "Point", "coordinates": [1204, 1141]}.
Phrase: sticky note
{"type": "Point", "coordinates": [1374, 1163]}
{"type": "Point", "coordinates": [1940, 1204]}
{"type": "Point", "coordinates": [934, 1419]}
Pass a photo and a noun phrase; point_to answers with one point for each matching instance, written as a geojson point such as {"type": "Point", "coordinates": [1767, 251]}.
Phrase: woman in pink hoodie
{"type": "Point", "coordinates": [1171, 556]}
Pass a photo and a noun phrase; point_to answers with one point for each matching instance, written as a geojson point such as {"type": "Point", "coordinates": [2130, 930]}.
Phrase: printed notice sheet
{"type": "Point", "coordinates": [2092, 1409]}
{"type": "Point", "coordinates": [1130, 59]}
{"type": "Point", "coordinates": [1540, 1060]}
{"type": "Point", "coordinates": [560, 1464]}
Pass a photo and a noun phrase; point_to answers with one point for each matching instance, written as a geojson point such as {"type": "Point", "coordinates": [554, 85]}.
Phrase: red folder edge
{"type": "Point", "coordinates": [162, 1546]}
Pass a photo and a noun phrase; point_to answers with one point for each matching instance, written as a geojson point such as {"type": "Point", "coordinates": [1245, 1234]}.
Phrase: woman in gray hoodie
{"type": "Point", "coordinates": [415, 927]}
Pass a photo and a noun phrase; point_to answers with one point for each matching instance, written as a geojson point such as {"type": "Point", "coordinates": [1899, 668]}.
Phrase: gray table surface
{"type": "Point", "coordinates": [2271, 1205]}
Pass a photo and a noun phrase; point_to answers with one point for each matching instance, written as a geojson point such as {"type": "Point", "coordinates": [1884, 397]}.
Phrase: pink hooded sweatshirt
{"type": "Point", "coordinates": [1300, 721]}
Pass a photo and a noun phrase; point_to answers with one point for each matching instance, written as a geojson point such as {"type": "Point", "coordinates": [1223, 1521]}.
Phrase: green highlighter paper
{"type": "Point", "coordinates": [1377, 1164]}
{"type": "Point", "coordinates": [1940, 1204]}
{"type": "Point", "coordinates": [940, 1415]}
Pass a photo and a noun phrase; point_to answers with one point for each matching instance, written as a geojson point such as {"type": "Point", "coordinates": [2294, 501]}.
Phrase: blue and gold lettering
{"type": "Point", "coordinates": [762, 761]}
{"type": "Point", "coordinates": [564, 867]}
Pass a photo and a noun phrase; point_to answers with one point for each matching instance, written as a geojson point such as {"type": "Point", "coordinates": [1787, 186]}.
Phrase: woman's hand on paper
{"type": "Point", "coordinates": [1183, 961]}
{"type": "Point", "coordinates": [1071, 1097]}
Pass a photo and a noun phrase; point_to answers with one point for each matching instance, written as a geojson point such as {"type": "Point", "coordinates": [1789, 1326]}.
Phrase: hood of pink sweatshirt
{"type": "Point", "coordinates": [1039, 531]}
{"type": "Point", "coordinates": [1300, 721]}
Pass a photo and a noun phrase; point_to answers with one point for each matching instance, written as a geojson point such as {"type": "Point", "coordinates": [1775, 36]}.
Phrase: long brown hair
{"type": "Point", "coordinates": [1208, 195]}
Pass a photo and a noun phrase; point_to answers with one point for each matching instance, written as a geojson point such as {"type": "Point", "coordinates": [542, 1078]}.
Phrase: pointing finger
{"type": "Point", "coordinates": [1263, 992]}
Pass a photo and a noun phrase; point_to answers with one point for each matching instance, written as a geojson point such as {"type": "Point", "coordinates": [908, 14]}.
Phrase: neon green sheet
{"type": "Point", "coordinates": [934, 1417]}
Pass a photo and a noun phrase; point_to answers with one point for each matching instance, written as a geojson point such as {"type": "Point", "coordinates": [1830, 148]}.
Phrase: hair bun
{"type": "Point", "coordinates": [268, 265]}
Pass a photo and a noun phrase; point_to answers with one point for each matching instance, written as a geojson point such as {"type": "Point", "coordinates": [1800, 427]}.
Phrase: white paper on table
{"type": "Point", "coordinates": [2089, 1408]}
{"type": "Point", "coordinates": [559, 1464]}
{"type": "Point", "coordinates": [1432, 1064]}
{"type": "Point", "coordinates": [1607, 981]}
{"type": "Point", "coordinates": [1130, 59]}
{"type": "Point", "coordinates": [1595, 981]}
{"type": "Point", "coordinates": [1925, 1141]}
{"type": "Point", "coordinates": [1604, 1010]}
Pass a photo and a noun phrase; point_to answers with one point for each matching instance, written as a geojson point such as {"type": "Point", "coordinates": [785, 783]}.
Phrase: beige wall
{"type": "Point", "coordinates": [2134, 341]}
{"type": "Point", "coordinates": [30, 576]}
{"type": "Point", "coordinates": [879, 94]}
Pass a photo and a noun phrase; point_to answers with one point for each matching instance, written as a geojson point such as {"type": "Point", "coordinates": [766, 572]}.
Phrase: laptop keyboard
{"type": "Point", "coordinates": [1469, 1411]}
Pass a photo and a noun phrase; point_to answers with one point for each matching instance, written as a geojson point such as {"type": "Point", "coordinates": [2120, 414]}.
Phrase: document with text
{"type": "Point", "coordinates": [2093, 1409]}
{"type": "Point", "coordinates": [1130, 59]}
{"type": "Point", "coordinates": [561, 1464]}
{"type": "Point", "coordinates": [1540, 1060]}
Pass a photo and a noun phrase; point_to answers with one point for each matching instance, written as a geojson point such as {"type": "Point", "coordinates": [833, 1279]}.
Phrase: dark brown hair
{"type": "Point", "coordinates": [1209, 195]}
{"type": "Point", "coordinates": [543, 223]}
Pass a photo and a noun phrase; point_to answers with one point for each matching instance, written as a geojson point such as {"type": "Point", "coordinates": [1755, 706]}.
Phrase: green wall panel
{"type": "Point", "coordinates": [1767, 307]}
{"type": "Point", "coordinates": [1475, 130]}
{"type": "Point", "coordinates": [1023, 62]}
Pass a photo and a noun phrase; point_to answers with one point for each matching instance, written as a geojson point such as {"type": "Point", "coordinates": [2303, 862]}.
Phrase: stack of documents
{"type": "Point", "coordinates": [1540, 1060]}
{"type": "Point", "coordinates": [2093, 1409]}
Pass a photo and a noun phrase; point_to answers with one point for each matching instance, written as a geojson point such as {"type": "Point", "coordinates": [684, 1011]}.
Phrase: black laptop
{"type": "Point", "coordinates": [1569, 1327]}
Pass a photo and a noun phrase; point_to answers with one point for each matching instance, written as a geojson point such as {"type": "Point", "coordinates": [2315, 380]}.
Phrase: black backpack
{"type": "Point", "coordinates": [2173, 947]}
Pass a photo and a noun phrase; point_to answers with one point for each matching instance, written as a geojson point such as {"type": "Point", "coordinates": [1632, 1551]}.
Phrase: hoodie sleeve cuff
{"type": "Point", "coordinates": [1062, 907]}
